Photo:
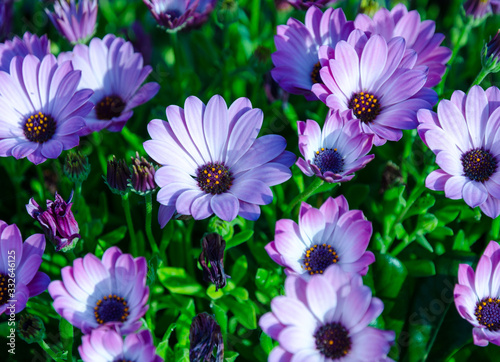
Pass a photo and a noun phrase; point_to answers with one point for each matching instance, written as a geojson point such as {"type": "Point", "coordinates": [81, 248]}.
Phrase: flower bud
{"type": "Point", "coordinates": [30, 328]}
{"type": "Point", "coordinates": [117, 176]}
{"type": "Point", "coordinates": [204, 335]}
{"type": "Point", "coordinates": [491, 54]}
{"type": "Point", "coordinates": [142, 180]}
{"type": "Point", "coordinates": [76, 166]}
{"type": "Point", "coordinates": [213, 246]}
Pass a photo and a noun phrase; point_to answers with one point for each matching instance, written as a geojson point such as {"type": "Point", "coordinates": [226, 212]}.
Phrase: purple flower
{"type": "Point", "coordinates": [110, 292]}
{"type": "Point", "coordinates": [332, 234]}
{"type": "Point", "coordinates": [419, 36]}
{"type": "Point", "coordinates": [58, 222]}
{"type": "Point", "coordinates": [213, 161]}
{"type": "Point", "coordinates": [326, 318]}
{"type": "Point", "coordinates": [117, 176]}
{"type": "Point", "coordinates": [463, 135]}
{"type": "Point", "coordinates": [479, 8]}
{"type": "Point", "coordinates": [204, 336]}
{"type": "Point", "coordinates": [142, 178]}
{"type": "Point", "coordinates": [42, 112]}
{"type": "Point", "coordinates": [336, 152]}
{"type": "Point", "coordinates": [212, 252]}
{"type": "Point", "coordinates": [181, 14]}
{"type": "Point", "coordinates": [76, 22]}
{"type": "Point", "coordinates": [5, 17]}
{"type": "Point", "coordinates": [24, 259]}
{"type": "Point", "coordinates": [374, 79]}
{"type": "Point", "coordinates": [106, 344]}
{"type": "Point", "coordinates": [115, 73]}
{"type": "Point", "coordinates": [29, 44]}
{"type": "Point", "coordinates": [306, 4]}
{"type": "Point", "coordinates": [296, 59]}
{"type": "Point", "coordinates": [477, 296]}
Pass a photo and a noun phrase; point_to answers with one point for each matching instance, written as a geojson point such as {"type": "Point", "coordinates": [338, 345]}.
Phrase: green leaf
{"type": "Point", "coordinates": [114, 236]}
{"type": "Point", "coordinates": [421, 206]}
{"type": "Point", "coordinates": [389, 275]}
{"type": "Point", "coordinates": [238, 239]}
{"type": "Point", "coordinates": [221, 317]}
{"type": "Point", "coordinates": [230, 356]}
{"type": "Point", "coordinates": [163, 346]}
{"type": "Point", "coordinates": [239, 269]}
{"type": "Point", "coordinates": [356, 195]}
{"type": "Point", "coordinates": [266, 343]}
{"type": "Point", "coordinates": [66, 332]}
{"type": "Point", "coordinates": [245, 312]}
{"type": "Point", "coordinates": [420, 268]}
{"type": "Point", "coordinates": [176, 280]}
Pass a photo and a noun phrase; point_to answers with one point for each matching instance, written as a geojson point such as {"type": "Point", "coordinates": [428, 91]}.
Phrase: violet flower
{"type": "Point", "coordinates": [74, 19]}
{"type": "Point", "coordinates": [336, 152]}
{"type": "Point", "coordinates": [479, 8]}
{"type": "Point", "coordinates": [5, 18]}
{"type": "Point", "coordinates": [212, 253]}
{"type": "Point", "coordinates": [213, 162]}
{"type": "Point", "coordinates": [463, 135]}
{"type": "Point", "coordinates": [332, 234]}
{"type": "Point", "coordinates": [326, 318]}
{"type": "Point", "coordinates": [58, 222]}
{"type": "Point", "coordinates": [29, 44]}
{"type": "Point", "coordinates": [25, 259]}
{"type": "Point", "coordinates": [477, 296]}
{"type": "Point", "coordinates": [106, 344]}
{"type": "Point", "coordinates": [107, 292]}
{"type": "Point", "coordinates": [205, 335]}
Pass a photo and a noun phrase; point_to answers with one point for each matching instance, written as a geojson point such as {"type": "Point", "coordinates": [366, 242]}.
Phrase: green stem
{"type": "Point", "coordinates": [48, 350]}
{"type": "Point", "coordinates": [188, 247]}
{"type": "Point", "coordinates": [130, 225]}
{"type": "Point", "coordinates": [480, 77]}
{"type": "Point", "coordinates": [149, 231]}
{"type": "Point", "coordinates": [313, 186]}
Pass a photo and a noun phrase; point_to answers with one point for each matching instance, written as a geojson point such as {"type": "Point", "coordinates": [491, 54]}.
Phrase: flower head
{"type": "Point", "coordinates": [142, 178]}
{"type": "Point", "coordinates": [5, 17]}
{"type": "Point", "coordinates": [296, 60]}
{"type": "Point", "coordinates": [335, 152]}
{"type": "Point", "coordinates": [115, 73]}
{"type": "Point", "coordinates": [479, 8]}
{"type": "Point", "coordinates": [306, 4]}
{"type": "Point", "coordinates": [419, 36]}
{"type": "Point", "coordinates": [490, 58]}
{"type": "Point", "coordinates": [212, 253]}
{"type": "Point", "coordinates": [181, 14]}
{"type": "Point", "coordinates": [29, 44]}
{"type": "Point", "coordinates": [30, 328]}
{"type": "Point", "coordinates": [26, 258]}
{"type": "Point", "coordinates": [76, 166]}
{"type": "Point", "coordinates": [58, 222]}
{"type": "Point", "coordinates": [375, 79]}
{"type": "Point", "coordinates": [332, 234]}
{"type": "Point", "coordinates": [326, 318]}
{"type": "Point", "coordinates": [76, 22]}
{"type": "Point", "coordinates": [204, 336]}
{"type": "Point", "coordinates": [117, 176]}
{"type": "Point", "coordinates": [42, 112]}
{"type": "Point", "coordinates": [213, 162]}
{"type": "Point", "coordinates": [107, 344]}
{"type": "Point", "coordinates": [463, 136]}
{"type": "Point", "coordinates": [108, 292]}
{"type": "Point", "coordinates": [477, 296]}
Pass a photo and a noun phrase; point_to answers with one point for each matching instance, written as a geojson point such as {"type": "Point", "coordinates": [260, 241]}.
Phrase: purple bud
{"type": "Point", "coordinates": [204, 336]}
{"type": "Point", "coordinates": [143, 175]}
{"type": "Point", "coordinates": [58, 222]}
{"type": "Point", "coordinates": [493, 47]}
{"type": "Point", "coordinates": [479, 8]}
{"type": "Point", "coordinates": [212, 253]}
{"type": "Point", "coordinates": [117, 176]}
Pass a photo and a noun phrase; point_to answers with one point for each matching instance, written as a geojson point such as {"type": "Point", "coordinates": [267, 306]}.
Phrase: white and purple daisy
{"type": "Point", "coordinates": [477, 296]}
{"type": "Point", "coordinates": [374, 79]}
{"type": "Point", "coordinates": [42, 112]}
{"type": "Point", "coordinates": [180, 14]}
{"type": "Point", "coordinates": [326, 318]}
{"type": "Point", "coordinates": [336, 152]}
{"type": "Point", "coordinates": [106, 344]}
{"type": "Point", "coordinates": [296, 60]}
{"type": "Point", "coordinates": [29, 44]}
{"type": "Point", "coordinates": [19, 264]}
{"type": "Point", "coordinates": [419, 36]}
{"type": "Point", "coordinates": [463, 135]}
{"type": "Point", "coordinates": [115, 73]}
{"type": "Point", "coordinates": [76, 22]}
{"type": "Point", "coordinates": [213, 162]}
{"type": "Point", "coordinates": [332, 234]}
{"type": "Point", "coordinates": [106, 292]}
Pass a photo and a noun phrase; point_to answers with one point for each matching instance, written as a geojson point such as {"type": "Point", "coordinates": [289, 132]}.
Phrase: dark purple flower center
{"type": "Point", "coordinates": [315, 77]}
{"type": "Point", "coordinates": [111, 308]}
{"type": "Point", "coordinates": [214, 178]}
{"type": "Point", "coordinates": [478, 164]}
{"type": "Point", "coordinates": [109, 107]}
{"type": "Point", "coordinates": [319, 257]}
{"type": "Point", "coordinates": [488, 313]}
{"type": "Point", "coordinates": [39, 128]}
{"type": "Point", "coordinates": [329, 160]}
{"type": "Point", "coordinates": [365, 106]}
{"type": "Point", "coordinates": [333, 340]}
{"type": "Point", "coordinates": [4, 294]}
